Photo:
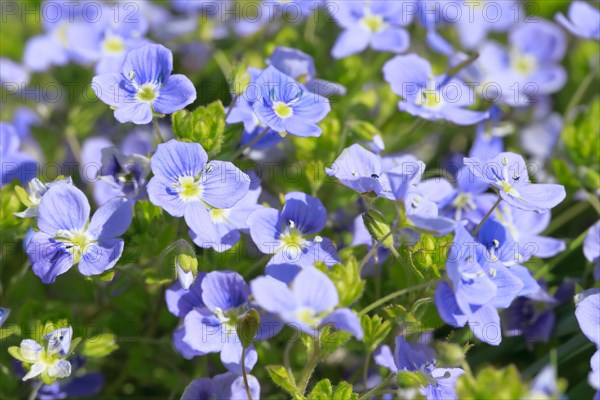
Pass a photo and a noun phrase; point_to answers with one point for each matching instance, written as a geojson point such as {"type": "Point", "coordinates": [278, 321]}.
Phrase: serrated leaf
{"type": "Point", "coordinates": [409, 379]}
{"type": "Point", "coordinates": [331, 340]}
{"type": "Point", "coordinates": [348, 282]}
{"type": "Point", "coordinates": [99, 346]}
{"type": "Point", "coordinates": [375, 330]}
{"type": "Point", "coordinates": [344, 391]}
{"type": "Point", "coordinates": [321, 391]}
{"type": "Point", "coordinates": [204, 125]}
{"type": "Point", "coordinates": [280, 376]}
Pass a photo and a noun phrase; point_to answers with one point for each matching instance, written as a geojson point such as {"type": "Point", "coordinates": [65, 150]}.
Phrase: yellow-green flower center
{"type": "Point", "coordinates": [75, 242]}
{"type": "Point", "coordinates": [146, 93]}
{"type": "Point", "coordinates": [293, 238]}
{"type": "Point", "coordinates": [372, 22]}
{"type": "Point", "coordinates": [508, 188]}
{"type": "Point", "coordinates": [189, 188]}
{"type": "Point", "coordinates": [429, 98]}
{"type": "Point", "coordinates": [282, 109]}
{"type": "Point", "coordinates": [308, 316]}
{"type": "Point", "coordinates": [524, 64]}
{"type": "Point", "coordinates": [219, 214]}
{"type": "Point", "coordinates": [113, 44]}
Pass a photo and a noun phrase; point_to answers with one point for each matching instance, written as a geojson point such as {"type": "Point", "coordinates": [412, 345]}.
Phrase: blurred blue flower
{"type": "Point", "coordinates": [222, 386]}
{"type": "Point", "coordinates": [16, 164]}
{"type": "Point", "coordinates": [583, 20]}
{"type": "Point", "coordinates": [588, 315]}
{"type": "Point", "coordinates": [378, 24]}
{"type": "Point", "coordinates": [427, 96]}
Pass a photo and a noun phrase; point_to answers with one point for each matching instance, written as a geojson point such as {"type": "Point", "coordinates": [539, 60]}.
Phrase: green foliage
{"type": "Point", "coordinates": [363, 130]}
{"type": "Point", "coordinates": [321, 391]}
{"type": "Point", "coordinates": [331, 340]}
{"type": "Point", "coordinates": [280, 376]}
{"type": "Point", "coordinates": [204, 125]}
{"type": "Point", "coordinates": [347, 280]}
{"type": "Point", "coordinates": [247, 327]}
{"type": "Point", "coordinates": [501, 384]}
{"type": "Point", "coordinates": [375, 330]}
{"type": "Point", "coordinates": [409, 379]}
{"type": "Point", "coordinates": [99, 346]}
{"type": "Point", "coordinates": [379, 229]}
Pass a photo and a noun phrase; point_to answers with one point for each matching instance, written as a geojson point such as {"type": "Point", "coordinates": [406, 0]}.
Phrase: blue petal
{"type": "Point", "coordinates": [176, 159]}
{"type": "Point", "coordinates": [203, 332]}
{"type": "Point", "coordinates": [198, 389]}
{"type": "Point", "coordinates": [180, 301]}
{"type": "Point", "coordinates": [344, 319]}
{"type": "Point", "coordinates": [392, 39]}
{"type": "Point", "coordinates": [112, 219]}
{"type": "Point", "coordinates": [447, 306]}
{"type": "Point", "coordinates": [231, 355]}
{"type": "Point", "coordinates": [223, 184]}
{"type": "Point", "coordinates": [588, 315]}
{"type": "Point", "coordinates": [100, 256]}
{"type": "Point", "coordinates": [106, 87]}
{"type": "Point", "coordinates": [350, 41]}
{"type": "Point", "coordinates": [485, 324]}
{"type": "Point", "coordinates": [273, 295]}
{"type": "Point", "coordinates": [150, 63]}
{"type": "Point", "coordinates": [412, 356]}
{"type": "Point", "coordinates": [292, 62]}
{"type": "Point", "coordinates": [161, 193]}
{"type": "Point", "coordinates": [224, 290]}
{"type": "Point", "coordinates": [138, 113]}
{"type": "Point", "coordinates": [281, 270]}
{"type": "Point", "coordinates": [384, 358]}
{"type": "Point", "coordinates": [264, 225]}
{"type": "Point", "coordinates": [358, 169]}
{"type": "Point", "coordinates": [537, 197]}
{"type": "Point", "coordinates": [407, 74]}
{"type": "Point", "coordinates": [48, 258]}
{"type": "Point", "coordinates": [307, 212]}
{"type": "Point", "coordinates": [313, 289]}
{"type": "Point", "coordinates": [177, 93]}
{"type": "Point", "coordinates": [63, 207]}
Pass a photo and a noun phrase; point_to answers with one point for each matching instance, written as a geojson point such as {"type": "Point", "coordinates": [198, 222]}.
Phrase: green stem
{"type": "Point", "coordinates": [464, 64]}
{"type": "Point", "coordinates": [35, 390]}
{"type": "Point", "coordinates": [241, 150]}
{"type": "Point", "coordinates": [581, 89]}
{"type": "Point", "coordinates": [392, 296]}
{"type": "Point", "coordinates": [366, 369]}
{"type": "Point", "coordinates": [478, 227]}
{"type": "Point", "coordinates": [244, 375]}
{"type": "Point", "coordinates": [309, 368]}
{"type": "Point", "coordinates": [565, 217]}
{"type": "Point", "coordinates": [157, 129]}
{"type": "Point", "coordinates": [377, 388]}
{"type": "Point", "coordinates": [575, 244]}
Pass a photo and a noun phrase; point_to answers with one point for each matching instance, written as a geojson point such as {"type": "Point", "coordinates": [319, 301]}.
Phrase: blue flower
{"type": "Point", "coordinates": [507, 173]}
{"type": "Point", "coordinates": [301, 67]}
{"type": "Point", "coordinates": [4, 313]}
{"type": "Point", "coordinates": [286, 234]}
{"type": "Point", "coordinates": [125, 175]}
{"type": "Point", "coordinates": [419, 357]}
{"type": "Point", "coordinates": [532, 316]}
{"type": "Point", "coordinates": [545, 384]}
{"type": "Point", "coordinates": [222, 230]}
{"type": "Point", "coordinates": [15, 163]}
{"type": "Point", "coordinates": [210, 327]}
{"type": "Point", "coordinates": [427, 96]}
{"type": "Point", "coordinates": [242, 111]}
{"type": "Point", "coordinates": [529, 68]}
{"type": "Point", "coordinates": [67, 237]}
{"type": "Point", "coordinates": [588, 315]}
{"type": "Point", "coordinates": [12, 73]}
{"type": "Point", "coordinates": [591, 248]}
{"type": "Point", "coordinates": [285, 105]}
{"type": "Point", "coordinates": [144, 86]}
{"type": "Point", "coordinates": [377, 24]}
{"type": "Point", "coordinates": [222, 386]}
{"type": "Point", "coordinates": [583, 20]}
{"type": "Point", "coordinates": [308, 305]}
{"type": "Point", "coordinates": [186, 185]}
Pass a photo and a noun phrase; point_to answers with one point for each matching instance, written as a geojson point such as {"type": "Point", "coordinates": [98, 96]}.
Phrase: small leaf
{"type": "Point", "coordinates": [321, 391]}
{"type": "Point", "coordinates": [331, 340]}
{"type": "Point", "coordinates": [99, 346]}
{"type": "Point", "coordinates": [379, 229]}
{"type": "Point", "coordinates": [348, 282]}
{"type": "Point", "coordinates": [408, 379]}
{"type": "Point", "coordinates": [375, 330]}
{"type": "Point", "coordinates": [280, 376]}
{"type": "Point", "coordinates": [344, 391]}
{"type": "Point", "coordinates": [363, 130]}
{"type": "Point", "coordinates": [204, 125]}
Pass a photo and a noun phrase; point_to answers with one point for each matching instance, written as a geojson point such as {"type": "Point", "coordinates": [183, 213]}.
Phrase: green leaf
{"type": "Point", "coordinates": [363, 130]}
{"type": "Point", "coordinates": [204, 125]}
{"type": "Point", "coordinates": [375, 330]}
{"type": "Point", "coordinates": [580, 138]}
{"type": "Point", "coordinates": [348, 282]}
{"type": "Point", "coordinates": [15, 352]}
{"type": "Point", "coordinates": [408, 379]}
{"type": "Point", "coordinates": [492, 383]}
{"type": "Point", "coordinates": [247, 327]}
{"type": "Point", "coordinates": [344, 391]}
{"type": "Point", "coordinates": [99, 346]}
{"type": "Point", "coordinates": [280, 376]}
{"type": "Point", "coordinates": [331, 340]}
{"type": "Point", "coordinates": [321, 391]}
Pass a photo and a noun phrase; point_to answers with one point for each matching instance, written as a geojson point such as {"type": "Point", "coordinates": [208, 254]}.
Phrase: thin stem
{"type": "Point", "coordinates": [575, 244]}
{"type": "Point", "coordinates": [463, 64]}
{"type": "Point", "coordinates": [372, 252]}
{"type": "Point", "coordinates": [377, 388]}
{"type": "Point", "coordinates": [35, 390]}
{"type": "Point", "coordinates": [392, 296]}
{"type": "Point", "coordinates": [157, 129]}
{"type": "Point", "coordinates": [566, 216]}
{"type": "Point", "coordinates": [73, 143]}
{"type": "Point", "coordinates": [241, 150]}
{"type": "Point", "coordinates": [245, 376]}
{"type": "Point", "coordinates": [232, 105]}
{"type": "Point", "coordinates": [309, 368]}
{"type": "Point", "coordinates": [366, 369]}
{"type": "Point", "coordinates": [581, 89]}
{"type": "Point", "coordinates": [478, 227]}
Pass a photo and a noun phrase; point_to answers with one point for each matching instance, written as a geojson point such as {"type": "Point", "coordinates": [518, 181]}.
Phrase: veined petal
{"type": "Point", "coordinates": [223, 184]}
{"type": "Point", "coordinates": [177, 93]}
{"type": "Point", "coordinates": [63, 207]}
{"type": "Point", "coordinates": [100, 256]}
{"type": "Point", "coordinates": [224, 290]}
{"type": "Point", "coordinates": [112, 219]}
